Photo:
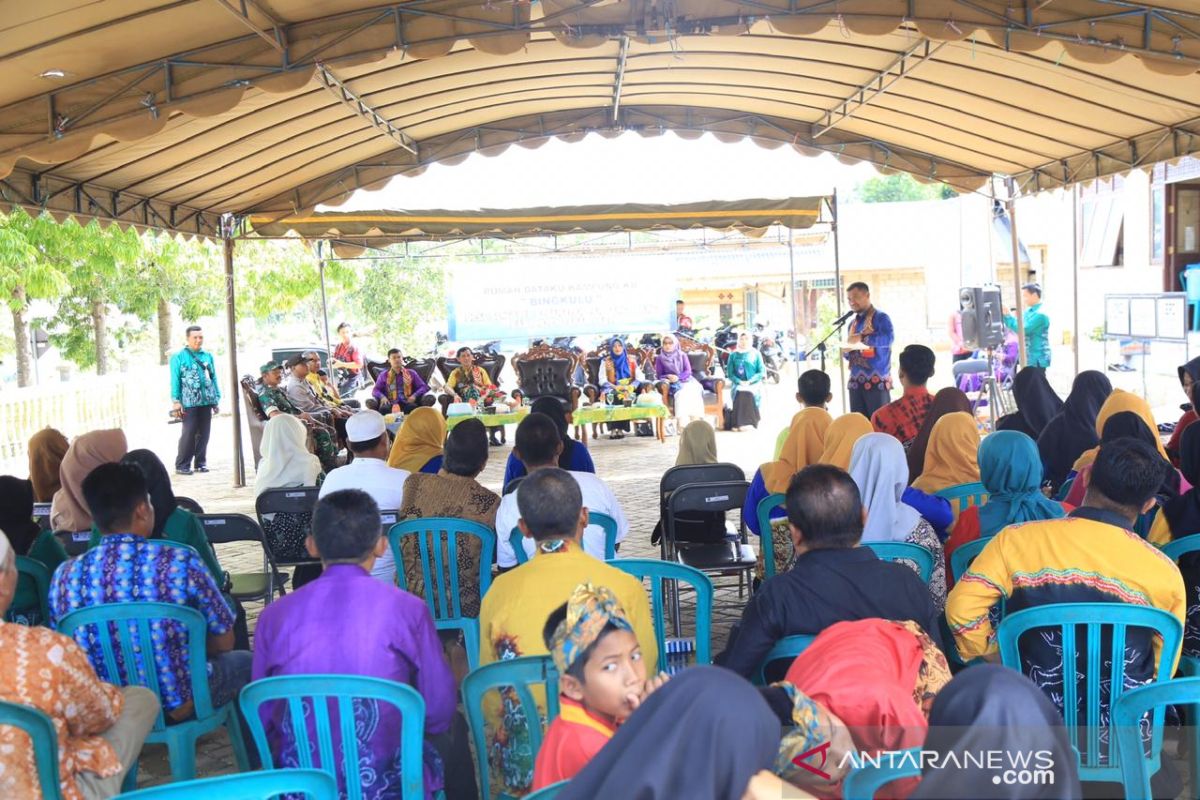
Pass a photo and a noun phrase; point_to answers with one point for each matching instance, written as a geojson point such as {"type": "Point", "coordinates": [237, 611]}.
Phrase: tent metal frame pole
{"type": "Point", "coordinates": [239, 465]}
{"type": "Point", "coordinates": [791, 234]}
{"type": "Point", "coordinates": [837, 290]}
{"type": "Point", "coordinates": [324, 306]}
{"type": "Point", "coordinates": [1075, 273]}
{"type": "Point", "coordinates": [1019, 312]}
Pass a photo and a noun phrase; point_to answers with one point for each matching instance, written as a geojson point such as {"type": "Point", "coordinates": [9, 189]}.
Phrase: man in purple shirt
{"type": "Point", "coordinates": [347, 623]}
{"type": "Point", "coordinates": [400, 388]}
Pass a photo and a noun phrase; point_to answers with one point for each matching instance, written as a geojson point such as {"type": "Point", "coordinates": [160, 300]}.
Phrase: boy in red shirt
{"type": "Point", "coordinates": [602, 679]}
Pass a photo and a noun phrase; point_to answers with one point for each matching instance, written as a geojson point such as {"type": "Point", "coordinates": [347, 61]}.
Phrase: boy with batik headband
{"type": "Point", "coordinates": [602, 679]}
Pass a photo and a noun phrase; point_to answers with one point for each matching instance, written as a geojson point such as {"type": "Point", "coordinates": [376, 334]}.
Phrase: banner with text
{"type": "Point", "coordinates": [540, 297]}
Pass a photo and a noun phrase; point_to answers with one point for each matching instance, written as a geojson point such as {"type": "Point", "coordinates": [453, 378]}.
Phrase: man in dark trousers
{"type": "Point", "coordinates": [195, 396]}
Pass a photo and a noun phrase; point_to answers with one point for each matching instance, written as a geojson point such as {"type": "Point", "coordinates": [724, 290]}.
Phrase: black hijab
{"type": "Point", "coordinates": [1073, 429]}
{"type": "Point", "coordinates": [1191, 368]}
{"type": "Point", "coordinates": [1128, 425]}
{"type": "Point", "coordinates": [993, 708]}
{"type": "Point", "coordinates": [702, 736]}
{"type": "Point", "coordinates": [553, 409]}
{"type": "Point", "coordinates": [158, 483]}
{"type": "Point", "coordinates": [1036, 403]}
{"type": "Point", "coordinates": [1183, 512]}
{"type": "Point", "coordinates": [16, 513]}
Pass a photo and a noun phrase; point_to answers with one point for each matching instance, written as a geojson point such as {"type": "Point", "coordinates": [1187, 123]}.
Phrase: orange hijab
{"type": "Point", "coordinates": [951, 458]}
{"type": "Point", "coordinates": [1121, 400]}
{"type": "Point", "coordinates": [804, 444]}
{"type": "Point", "coordinates": [47, 448]}
{"type": "Point", "coordinates": [840, 438]}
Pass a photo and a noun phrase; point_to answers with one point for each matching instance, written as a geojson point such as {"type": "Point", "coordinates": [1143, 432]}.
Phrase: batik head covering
{"type": "Point", "coordinates": [589, 610]}
{"type": "Point", "coordinates": [68, 511]}
{"type": "Point", "coordinates": [420, 439]}
{"type": "Point", "coordinates": [877, 465]}
{"type": "Point", "coordinates": [946, 401]}
{"type": "Point", "coordinates": [952, 457]}
{"type": "Point", "coordinates": [804, 444]}
{"type": "Point", "coordinates": [697, 445]}
{"type": "Point", "coordinates": [841, 437]}
{"type": "Point", "coordinates": [1011, 470]}
{"type": "Point", "coordinates": [47, 448]}
{"type": "Point", "coordinates": [812, 726]}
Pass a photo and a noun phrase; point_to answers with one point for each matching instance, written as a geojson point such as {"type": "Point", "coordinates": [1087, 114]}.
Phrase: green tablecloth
{"type": "Point", "coordinates": [490, 420]}
{"type": "Point", "coordinates": [597, 414]}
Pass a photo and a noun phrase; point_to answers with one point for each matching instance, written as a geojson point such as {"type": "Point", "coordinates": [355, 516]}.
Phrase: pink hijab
{"type": "Point", "coordinates": [68, 511]}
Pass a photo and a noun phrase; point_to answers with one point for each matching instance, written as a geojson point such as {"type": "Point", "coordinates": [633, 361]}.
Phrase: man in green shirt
{"type": "Point", "coordinates": [1037, 327]}
{"type": "Point", "coordinates": [274, 401]}
{"type": "Point", "coordinates": [195, 396]}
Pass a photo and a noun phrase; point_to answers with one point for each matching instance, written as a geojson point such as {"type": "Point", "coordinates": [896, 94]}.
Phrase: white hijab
{"type": "Point", "coordinates": [879, 467]}
{"type": "Point", "coordinates": [285, 457]}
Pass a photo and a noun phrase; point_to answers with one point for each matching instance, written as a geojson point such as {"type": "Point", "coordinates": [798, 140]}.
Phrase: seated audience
{"type": "Point", "coordinates": [515, 609]}
{"type": "Point", "coordinates": [27, 539]}
{"type": "Point", "coordinates": [346, 623]}
{"type": "Point", "coordinates": [367, 438]}
{"type": "Point", "coordinates": [1178, 519]}
{"type": "Point", "coordinates": [127, 567]}
{"type": "Point", "coordinates": [812, 392]}
{"type": "Point", "coordinates": [1121, 401]}
{"type": "Point", "coordinates": [951, 458]}
{"type": "Point", "coordinates": [318, 379]}
{"type": "Point", "coordinates": [99, 727]}
{"type": "Point", "coordinates": [880, 470]}
{"type": "Point", "coordinates": [602, 680]}
{"type": "Point", "coordinates": [840, 438]}
{"type": "Point", "coordinates": [1037, 404]}
{"type": "Point", "coordinates": [993, 709]}
{"type": "Point", "coordinates": [400, 389]}
{"type": "Point", "coordinates": [538, 445]}
{"type": "Point", "coordinates": [673, 366]}
{"type": "Point", "coordinates": [1127, 424]}
{"type": "Point", "coordinates": [946, 401]}
{"type": "Point", "coordinates": [286, 463]}
{"type": "Point", "coordinates": [705, 735]}
{"type": "Point", "coordinates": [69, 512]}
{"type": "Point", "coordinates": [903, 418]}
{"type": "Point", "coordinates": [275, 402]}
{"type": "Point", "coordinates": [1090, 556]}
{"type": "Point", "coordinates": [47, 448]}
{"type": "Point", "coordinates": [1073, 430]}
{"type": "Point", "coordinates": [453, 492]}
{"type": "Point", "coordinates": [418, 446]}
{"type": "Point", "coordinates": [574, 457]}
{"type": "Point", "coordinates": [833, 579]}
{"type": "Point", "coordinates": [697, 445]}
{"type": "Point", "coordinates": [305, 397]}
{"type": "Point", "coordinates": [1011, 472]}
{"type": "Point", "coordinates": [1189, 376]}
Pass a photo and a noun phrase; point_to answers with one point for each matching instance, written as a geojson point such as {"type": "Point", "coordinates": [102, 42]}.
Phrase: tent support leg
{"type": "Point", "coordinates": [239, 466]}
{"type": "Point", "coordinates": [324, 310]}
{"type": "Point", "coordinates": [1022, 356]}
{"type": "Point", "coordinates": [837, 290]}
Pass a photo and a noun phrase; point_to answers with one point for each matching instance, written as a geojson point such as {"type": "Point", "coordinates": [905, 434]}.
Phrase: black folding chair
{"type": "Point", "coordinates": [707, 527]}
{"type": "Point", "coordinates": [188, 504]}
{"type": "Point", "coordinates": [41, 515]}
{"type": "Point", "coordinates": [297, 500]}
{"type": "Point", "coordinates": [228, 528]}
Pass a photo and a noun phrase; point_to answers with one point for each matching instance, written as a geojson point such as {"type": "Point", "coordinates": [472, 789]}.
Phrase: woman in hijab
{"type": "Point", "coordinates": [1118, 402]}
{"type": "Point", "coordinates": [27, 539]}
{"type": "Point", "coordinates": [69, 512]}
{"type": "Point", "coordinates": [286, 462]}
{"type": "Point", "coordinates": [418, 446]}
{"type": "Point", "coordinates": [1127, 425]}
{"type": "Point", "coordinates": [1036, 404]}
{"type": "Point", "coordinates": [1011, 471]}
{"type": "Point", "coordinates": [946, 401]}
{"type": "Point", "coordinates": [1180, 517]}
{"type": "Point", "coordinates": [950, 459]}
{"type": "Point", "coordinates": [574, 457]}
{"type": "Point", "coordinates": [47, 448]}
{"type": "Point", "coordinates": [707, 734]}
{"type": "Point", "coordinates": [878, 467]}
{"type": "Point", "coordinates": [1073, 430]}
{"type": "Point", "coordinates": [841, 437]}
{"type": "Point", "coordinates": [673, 366]}
{"type": "Point", "coordinates": [745, 373]}
{"type": "Point", "coordinates": [618, 380]}
{"type": "Point", "coordinates": [990, 708]}
{"type": "Point", "coordinates": [697, 445]}
{"type": "Point", "coordinates": [1189, 376]}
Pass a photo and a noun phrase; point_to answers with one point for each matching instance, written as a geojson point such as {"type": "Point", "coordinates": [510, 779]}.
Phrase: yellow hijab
{"type": "Point", "coordinates": [420, 439]}
{"type": "Point", "coordinates": [950, 459]}
{"type": "Point", "coordinates": [1121, 400]}
{"type": "Point", "coordinates": [697, 445]}
{"type": "Point", "coordinates": [841, 437]}
{"type": "Point", "coordinates": [804, 445]}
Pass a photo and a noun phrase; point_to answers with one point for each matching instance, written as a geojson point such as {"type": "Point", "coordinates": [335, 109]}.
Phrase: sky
{"type": "Point", "coordinates": [625, 169]}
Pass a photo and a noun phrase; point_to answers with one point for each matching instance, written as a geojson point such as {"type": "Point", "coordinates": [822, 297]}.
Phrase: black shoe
{"type": "Point", "coordinates": [202, 468]}
{"type": "Point", "coordinates": [183, 471]}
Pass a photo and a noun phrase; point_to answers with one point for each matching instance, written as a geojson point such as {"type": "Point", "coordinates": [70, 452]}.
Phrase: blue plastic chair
{"type": "Point", "coordinates": [519, 675]}
{"type": "Point", "coordinates": [1127, 716]}
{"type": "Point", "coordinates": [1096, 618]}
{"type": "Point", "coordinates": [1065, 489]}
{"type": "Point", "coordinates": [45, 743]}
{"type": "Point", "coordinates": [445, 603]}
{"type": "Point", "coordinates": [180, 737]}
{"type": "Point", "coordinates": [308, 697]}
{"type": "Point", "coordinates": [664, 578]}
{"type": "Point", "coordinates": [268, 785]}
{"type": "Point", "coordinates": [30, 570]}
{"type": "Point", "coordinates": [1178, 548]}
{"type": "Point", "coordinates": [964, 496]}
{"type": "Point", "coordinates": [516, 539]}
{"type": "Point", "coordinates": [765, 540]}
{"type": "Point", "coordinates": [547, 792]}
{"type": "Point", "coordinates": [961, 558]}
{"type": "Point", "coordinates": [905, 551]}
{"type": "Point", "coordinates": [786, 648]}
{"type": "Point", "coordinates": [864, 781]}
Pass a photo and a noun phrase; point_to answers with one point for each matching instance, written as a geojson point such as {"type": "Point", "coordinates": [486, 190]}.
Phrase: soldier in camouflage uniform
{"type": "Point", "coordinates": [275, 401]}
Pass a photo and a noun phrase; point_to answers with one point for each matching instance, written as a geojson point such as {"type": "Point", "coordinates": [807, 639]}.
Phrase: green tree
{"type": "Point", "coordinates": [277, 278]}
{"type": "Point", "coordinates": [400, 299]}
{"type": "Point", "coordinates": [31, 268]}
{"type": "Point", "coordinates": [900, 187]}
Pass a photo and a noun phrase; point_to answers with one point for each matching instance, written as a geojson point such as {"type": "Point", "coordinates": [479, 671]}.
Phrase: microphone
{"type": "Point", "coordinates": [843, 318]}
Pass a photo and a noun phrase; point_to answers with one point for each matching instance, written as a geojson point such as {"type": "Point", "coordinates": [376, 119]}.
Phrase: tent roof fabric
{"type": "Point", "coordinates": [170, 113]}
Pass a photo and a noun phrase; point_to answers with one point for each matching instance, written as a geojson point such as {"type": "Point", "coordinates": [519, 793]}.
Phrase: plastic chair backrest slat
{"type": "Point", "coordinates": [520, 674]}
{"type": "Point", "coordinates": [267, 785]}
{"type": "Point", "coordinates": [40, 729]}
{"type": "Point", "coordinates": [766, 540]}
{"type": "Point", "coordinates": [788, 647]}
{"type": "Point", "coordinates": [961, 558]}
{"type": "Point", "coordinates": [431, 533]}
{"type": "Point", "coordinates": [862, 783]}
{"type": "Point", "coordinates": [964, 495]}
{"type": "Point", "coordinates": [1127, 715]}
{"type": "Point", "coordinates": [547, 792]}
{"type": "Point", "coordinates": [905, 551]}
{"type": "Point", "coordinates": [343, 690]}
{"type": "Point", "coordinates": [1180, 547]}
{"type": "Point", "coordinates": [659, 572]}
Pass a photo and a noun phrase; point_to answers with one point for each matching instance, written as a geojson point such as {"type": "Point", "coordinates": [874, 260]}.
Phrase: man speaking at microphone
{"type": "Point", "coordinates": [869, 351]}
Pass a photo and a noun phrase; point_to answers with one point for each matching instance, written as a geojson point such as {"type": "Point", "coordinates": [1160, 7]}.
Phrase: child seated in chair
{"type": "Point", "coordinates": [602, 679]}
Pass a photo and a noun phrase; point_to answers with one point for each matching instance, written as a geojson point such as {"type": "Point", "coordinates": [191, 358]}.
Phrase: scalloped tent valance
{"type": "Point", "coordinates": [169, 115]}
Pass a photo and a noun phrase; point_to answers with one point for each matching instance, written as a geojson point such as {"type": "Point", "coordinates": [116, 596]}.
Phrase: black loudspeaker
{"type": "Point", "coordinates": [982, 317]}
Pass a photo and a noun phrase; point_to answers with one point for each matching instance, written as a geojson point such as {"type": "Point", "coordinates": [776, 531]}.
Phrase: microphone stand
{"type": "Point", "coordinates": [837, 326]}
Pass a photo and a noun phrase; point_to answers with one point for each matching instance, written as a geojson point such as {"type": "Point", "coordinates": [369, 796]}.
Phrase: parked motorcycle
{"type": "Point", "coordinates": [772, 355]}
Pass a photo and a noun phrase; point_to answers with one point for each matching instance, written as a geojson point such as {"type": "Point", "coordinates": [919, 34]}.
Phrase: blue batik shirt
{"type": "Point", "coordinates": [125, 568]}
{"type": "Point", "coordinates": [871, 369]}
{"type": "Point", "coordinates": [194, 378]}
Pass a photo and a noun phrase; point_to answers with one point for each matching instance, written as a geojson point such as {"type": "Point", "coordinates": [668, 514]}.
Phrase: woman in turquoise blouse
{"type": "Point", "coordinates": [745, 373]}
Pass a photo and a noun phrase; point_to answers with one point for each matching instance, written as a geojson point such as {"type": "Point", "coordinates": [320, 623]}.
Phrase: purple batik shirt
{"type": "Point", "coordinates": [347, 623]}
{"type": "Point", "coordinates": [380, 392]}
